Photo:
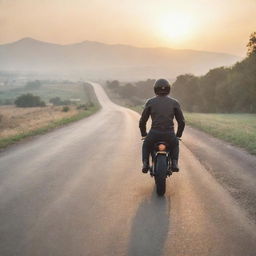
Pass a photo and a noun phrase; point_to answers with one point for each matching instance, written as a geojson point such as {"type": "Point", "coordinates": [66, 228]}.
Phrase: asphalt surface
{"type": "Point", "coordinates": [78, 190]}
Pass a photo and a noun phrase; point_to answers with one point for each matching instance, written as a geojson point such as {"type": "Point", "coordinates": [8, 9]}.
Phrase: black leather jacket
{"type": "Point", "coordinates": [162, 110]}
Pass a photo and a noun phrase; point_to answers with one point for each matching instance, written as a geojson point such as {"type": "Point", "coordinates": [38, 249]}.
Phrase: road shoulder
{"type": "Point", "coordinates": [234, 168]}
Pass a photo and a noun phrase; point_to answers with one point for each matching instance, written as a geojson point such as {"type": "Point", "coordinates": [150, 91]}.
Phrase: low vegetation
{"type": "Point", "coordinates": [65, 92]}
{"type": "Point", "coordinates": [57, 101]}
{"type": "Point", "coordinates": [12, 136]}
{"type": "Point", "coordinates": [30, 119]}
{"type": "Point", "coordinates": [238, 129]}
{"type": "Point", "coordinates": [29, 100]}
{"type": "Point", "coordinates": [65, 109]}
{"type": "Point", "coordinates": [130, 94]}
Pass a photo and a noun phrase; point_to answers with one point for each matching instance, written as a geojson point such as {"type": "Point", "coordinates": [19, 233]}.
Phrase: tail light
{"type": "Point", "coordinates": [161, 147]}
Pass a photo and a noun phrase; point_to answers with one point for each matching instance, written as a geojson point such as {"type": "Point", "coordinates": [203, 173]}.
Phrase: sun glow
{"type": "Point", "coordinates": [177, 27]}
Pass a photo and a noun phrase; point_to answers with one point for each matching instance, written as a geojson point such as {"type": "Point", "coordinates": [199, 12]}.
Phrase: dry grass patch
{"type": "Point", "coordinates": [14, 120]}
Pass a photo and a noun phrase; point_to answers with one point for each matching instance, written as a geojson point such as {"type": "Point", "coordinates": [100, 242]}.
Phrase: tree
{"type": "Point", "coordinates": [251, 46]}
{"type": "Point", "coordinates": [208, 88]}
{"type": "Point", "coordinates": [186, 89]}
{"type": "Point", "coordinates": [145, 88]}
{"type": "Point", "coordinates": [127, 91]}
{"type": "Point", "coordinates": [56, 101]}
{"type": "Point", "coordinates": [221, 89]}
{"type": "Point", "coordinates": [29, 100]}
{"type": "Point", "coordinates": [114, 85]}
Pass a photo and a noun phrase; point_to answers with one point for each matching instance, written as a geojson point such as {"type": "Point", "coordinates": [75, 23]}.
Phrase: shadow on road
{"type": "Point", "coordinates": [150, 227]}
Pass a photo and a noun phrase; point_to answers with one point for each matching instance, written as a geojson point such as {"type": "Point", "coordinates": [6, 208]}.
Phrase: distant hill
{"type": "Point", "coordinates": [103, 61]}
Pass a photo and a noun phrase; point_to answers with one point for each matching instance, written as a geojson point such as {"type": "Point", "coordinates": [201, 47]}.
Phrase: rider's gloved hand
{"type": "Point", "coordinates": [143, 136]}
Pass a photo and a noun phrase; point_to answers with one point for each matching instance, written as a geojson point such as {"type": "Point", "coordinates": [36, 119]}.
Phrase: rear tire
{"type": "Point", "coordinates": [160, 174]}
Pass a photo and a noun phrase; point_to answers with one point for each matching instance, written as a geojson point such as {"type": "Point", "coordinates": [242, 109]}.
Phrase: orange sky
{"type": "Point", "coordinates": [212, 25]}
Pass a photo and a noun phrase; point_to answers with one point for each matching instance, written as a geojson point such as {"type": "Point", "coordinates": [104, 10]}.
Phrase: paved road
{"type": "Point", "coordinates": [78, 191]}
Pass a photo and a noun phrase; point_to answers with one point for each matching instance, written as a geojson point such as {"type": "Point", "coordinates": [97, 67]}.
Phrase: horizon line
{"type": "Point", "coordinates": [117, 44]}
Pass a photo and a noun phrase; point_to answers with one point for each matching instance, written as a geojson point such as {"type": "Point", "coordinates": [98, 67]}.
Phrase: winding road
{"type": "Point", "coordinates": [79, 191]}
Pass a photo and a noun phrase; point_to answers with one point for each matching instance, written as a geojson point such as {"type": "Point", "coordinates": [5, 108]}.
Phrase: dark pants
{"type": "Point", "coordinates": [156, 136]}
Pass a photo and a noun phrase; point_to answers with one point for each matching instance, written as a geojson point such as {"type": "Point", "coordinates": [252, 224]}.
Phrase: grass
{"type": "Point", "coordinates": [138, 108]}
{"type": "Point", "coordinates": [4, 142]}
{"type": "Point", "coordinates": [19, 123]}
{"type": "Point", "coordinates": [238, 129]}
{"type": "Point", "coordinates": [46, 92]}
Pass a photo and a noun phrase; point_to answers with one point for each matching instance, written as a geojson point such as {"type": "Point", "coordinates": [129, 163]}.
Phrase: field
{"type": "Point", "coordinates": [238, 129]}
{"type": "Point", "coordinates": [19, 120]}
{"type": "Point", "coordinates": [46, 92]}
{"type": "Point", "coordinates": [17, 123]}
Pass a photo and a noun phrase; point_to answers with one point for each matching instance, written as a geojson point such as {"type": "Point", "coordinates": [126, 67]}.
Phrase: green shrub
{"type": "Point", "coordinates": [90, 104]}
{"type": "Point", "coordinates": [57, 101]}
{"type": "Point", "coordinates": [29, 100]}
{"type": "Point", "coordinates": [82, 106]}
{"type": "Point", "coordinates": [65, 109]}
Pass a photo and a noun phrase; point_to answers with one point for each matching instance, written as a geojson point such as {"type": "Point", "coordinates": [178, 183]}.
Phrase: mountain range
{"type": "Point", "coordinates": [94, 60]}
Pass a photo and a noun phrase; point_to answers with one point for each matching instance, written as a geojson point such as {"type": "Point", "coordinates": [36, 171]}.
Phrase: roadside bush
{"type": "Point", "coordinates": [66, 102]}
{"type": "Point", "coordinates": [85, 106]}
{"type": "Point", "coordinates": [114, 85]}
{"type": "Point", "coordinates": [57, 101]}
{"type": "Point", "coordinates": [90, 104]}
{"type": "Point", "coordinates": [136, 101]}
{"type": "Point", "coordinates": [65, 109]}
{"type": "Point", "coordinates": [29, 100]}
{"type": "Point", "coordinates": [82, 106]}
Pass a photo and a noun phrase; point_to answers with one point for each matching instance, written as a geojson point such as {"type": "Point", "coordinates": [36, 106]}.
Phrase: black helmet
{"type": "Point", "coordinates": [162, 87]}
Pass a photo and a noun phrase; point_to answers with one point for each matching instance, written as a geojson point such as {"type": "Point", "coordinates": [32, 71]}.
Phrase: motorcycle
{"type": "Point", "coordinates": [161, 166]}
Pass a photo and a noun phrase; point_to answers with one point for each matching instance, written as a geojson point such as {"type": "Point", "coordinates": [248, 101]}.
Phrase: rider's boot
{"type": "Point", "coordinates": [145, 167]}
{"type": "Point", "coordinates": [175, 167]}
{"type": "Point", "coordinates": [169, 170]}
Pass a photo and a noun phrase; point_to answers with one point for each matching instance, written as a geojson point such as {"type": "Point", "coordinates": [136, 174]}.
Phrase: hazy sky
{"type": "Point", "coordinates": [213, 25]}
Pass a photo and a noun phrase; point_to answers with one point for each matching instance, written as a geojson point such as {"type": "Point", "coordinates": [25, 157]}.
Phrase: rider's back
{"type": "Point", "coordinates": [162, 111]}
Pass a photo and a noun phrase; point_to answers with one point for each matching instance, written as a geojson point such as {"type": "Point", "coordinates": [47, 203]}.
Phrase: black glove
{"type": "Point", "coordinates": [144, 134]}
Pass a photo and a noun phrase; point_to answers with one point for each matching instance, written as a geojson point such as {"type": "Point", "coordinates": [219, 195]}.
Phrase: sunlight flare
{"type": "Point", "coordinates": [177, 27]}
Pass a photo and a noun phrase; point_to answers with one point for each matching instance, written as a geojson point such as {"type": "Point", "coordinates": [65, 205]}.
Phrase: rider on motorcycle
{"type": "Point", "coordinates": [162, 110]}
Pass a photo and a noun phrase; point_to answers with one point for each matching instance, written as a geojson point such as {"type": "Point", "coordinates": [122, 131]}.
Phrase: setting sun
{"type": "Point", "coordinates": [177, 27]}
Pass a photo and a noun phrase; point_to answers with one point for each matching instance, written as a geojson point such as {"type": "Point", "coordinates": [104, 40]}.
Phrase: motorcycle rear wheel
{"type": "Point", "coordinates": [160, 174]}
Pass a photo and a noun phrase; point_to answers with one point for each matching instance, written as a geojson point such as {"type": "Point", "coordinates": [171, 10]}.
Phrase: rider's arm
{"type": "Point", "coordinates": [180, 119]}
{"type": "Point", "coordinates": [144, 118]}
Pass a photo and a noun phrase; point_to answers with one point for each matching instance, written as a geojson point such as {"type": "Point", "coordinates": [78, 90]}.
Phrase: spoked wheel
{"type": "Point", "coordinates": [160, 174]}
